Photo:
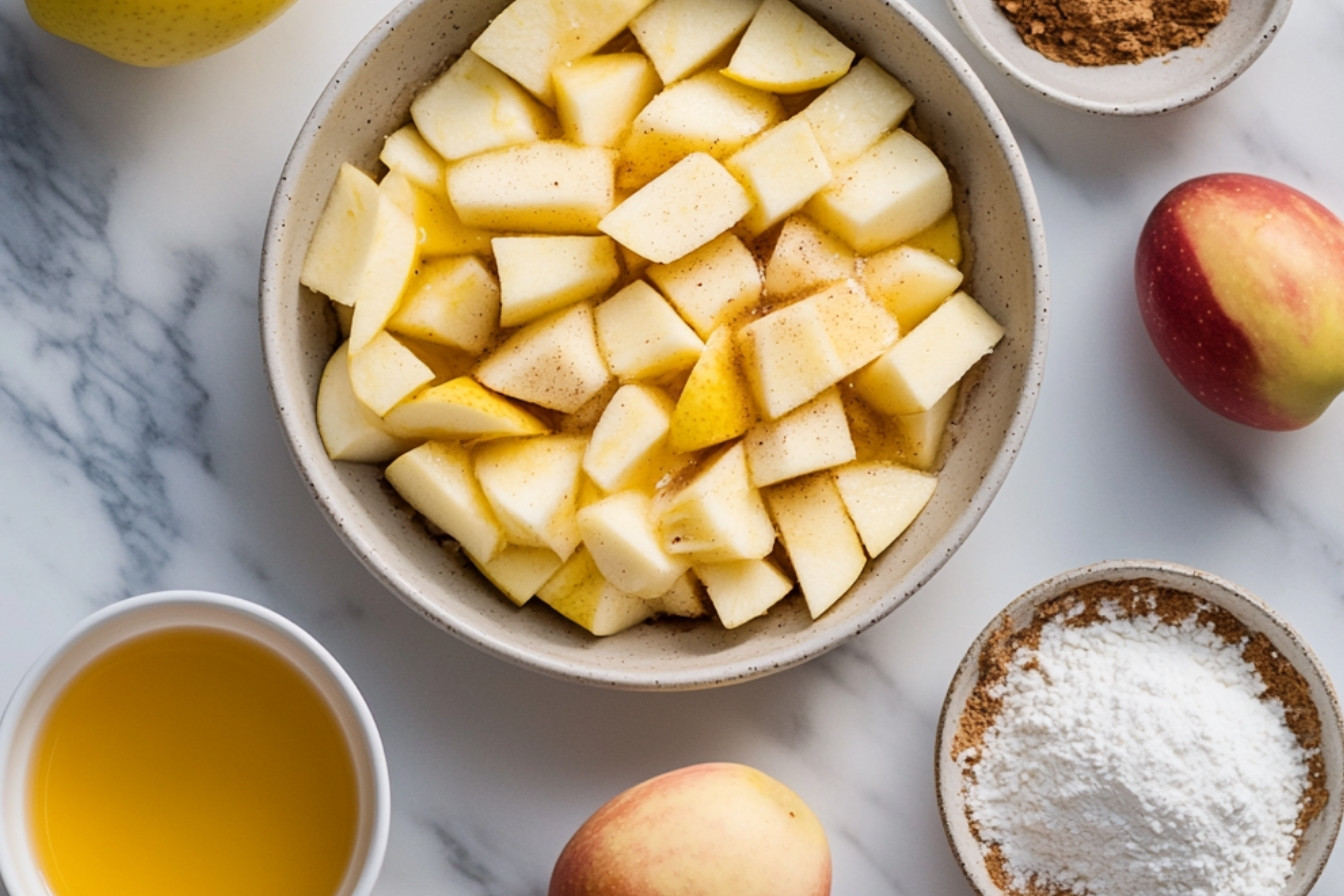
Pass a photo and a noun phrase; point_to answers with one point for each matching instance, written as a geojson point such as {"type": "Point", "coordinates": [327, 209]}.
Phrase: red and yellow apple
{"type": "Point", "coordinates": [717, 827]}
{"type": "Point", "coordinates": [1240, 282]}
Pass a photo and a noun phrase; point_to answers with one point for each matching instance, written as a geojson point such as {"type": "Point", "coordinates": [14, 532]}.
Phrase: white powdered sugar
{"type": "Point", "coordinates": [1137, 757]}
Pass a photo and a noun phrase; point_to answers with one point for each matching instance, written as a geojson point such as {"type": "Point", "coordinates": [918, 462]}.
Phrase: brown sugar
{"type": "Point", "coordinates": [1112, 32]}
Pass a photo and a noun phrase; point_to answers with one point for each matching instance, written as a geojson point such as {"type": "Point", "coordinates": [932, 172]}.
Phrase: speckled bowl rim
{"type": "Point", "coordinates": [969, 16]}
{"type": "Point", "coordinates": [715, 662]}
{"type": "Point", "coordinates": [1252, 610]}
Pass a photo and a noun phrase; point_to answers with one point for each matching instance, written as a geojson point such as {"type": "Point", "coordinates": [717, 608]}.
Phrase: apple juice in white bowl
{"type": "Point", "coordinates": [574, 273]}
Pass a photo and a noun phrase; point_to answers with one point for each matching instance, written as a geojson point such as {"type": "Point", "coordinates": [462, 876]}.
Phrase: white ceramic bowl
{"type": "Point", "coordinates": [1252, 612]}
{"type": "Point", "coordinates": [369, 97]}
{"type": "Point", "coordinates": [1154, 86]}
{"type": "Point", "coordinates": [130, 618]}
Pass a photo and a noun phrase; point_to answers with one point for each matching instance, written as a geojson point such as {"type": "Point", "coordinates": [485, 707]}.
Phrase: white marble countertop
{"type": "Point", "coordinates": [139, 451]}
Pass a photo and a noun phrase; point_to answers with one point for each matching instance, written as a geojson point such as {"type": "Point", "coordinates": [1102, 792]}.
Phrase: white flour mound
{"type": "Point", "coordinates": [1136, 758]}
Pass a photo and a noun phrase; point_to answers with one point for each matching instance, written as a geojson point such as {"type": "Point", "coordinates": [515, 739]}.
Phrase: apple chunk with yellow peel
{"type": "Point", "coordinates": [579, 592]}
{"type": "Point", "coordinates": [540, 273]}
{"type": "Point", "coordinates": [349, 430]}
{"type": "Point", "coordinates": [460, 408]}
{"type": "Point", "coordinates": [819, 538]}
{"type": "Point", "coordinates": [786, 51]}
{"type": "Point", "coordinates": [473, 107]}
{"type": "Point", "coordinates": [715, 405]}
{"type": "Point", "coordinates": [554, 362]}
{"type": "Point", "coordinates": [438, 480]}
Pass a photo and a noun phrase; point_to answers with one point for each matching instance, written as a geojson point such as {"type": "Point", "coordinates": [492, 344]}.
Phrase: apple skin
{"type": "Point", "coordinates": [716, 827]}
{"type": "Point", "coordinates": [1240, 282]}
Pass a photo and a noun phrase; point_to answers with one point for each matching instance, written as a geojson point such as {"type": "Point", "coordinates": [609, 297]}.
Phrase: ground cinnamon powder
{"type": "Point", "coordinates": [1111, 32]}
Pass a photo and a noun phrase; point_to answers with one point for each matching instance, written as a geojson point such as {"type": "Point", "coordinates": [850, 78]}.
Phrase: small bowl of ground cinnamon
{"type": "Point", "coordinates": [1122, 57]}
{"type": "Point", "coordinates": [1137, 728]}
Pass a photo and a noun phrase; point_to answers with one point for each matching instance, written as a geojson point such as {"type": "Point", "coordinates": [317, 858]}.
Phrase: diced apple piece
{"type": "Point", "coordinates": [334, 263]}
{"type": "Point", "coordinates": [742, 590]}
{"type": "Point", "coordinates": [942, 238]}
{"type": "Point", "coordinates": [628, 435]}
{"type": "Point", "coordinates": [406, 153]}
{"type": "Point", "coordinates": [718, 515]}
{"type": "Point", "coordinates": [883, 499]}
{"type": "Point", "coordinates": [385, 371]}
{"type": "Point", "coordinates": [549, 186]}
{"type": "Point", "coordinates": [786, 51]}
{"type": "Point", "coordinates": [474, 107]}
{"type": "Point", "coordinates": [705, 113]}
{"type": "Point", "coordinates": [597, 97]}
{"type": "Point", "coordinates": [438, 229]}
{"type": "Point", "coordinates": [539, 274]}
{"type": "Point", "coordinates": [919, 369]}
{"type": "Point", "coordinates": [529, 38]}
{"type": "Point", "coordinates": [349, 430]}
{"type": "Point", "coordinates": [788, 358]}
{"type": "Point", "coordinates": [686, 598]}
{"type": "Point", "coordinates": [910, 282]}
{"type": "Point", "coordinates": [518, 571]}
{"type": "Point", "coordinates": [679, 211]}
{"type": "Point", "coordinates": [715, 405]}
{"type": "Point", "coordinates": [681, 36]}
{"type": "Point", "coordinates": [850, 115]}
{"type": "Point", "coordinates": [819, 538]}
{"type": "Point", "coordinates": [859, 328]}
{"type": "Point", "coordinates": [450, 301]}
{"type": "Point", "coordinates": [922, 433]}
{"type": "Point", "coordinates": [812, 437]}
{"type": "Point", "coordinates": [579, 593]}
{"type": "Point", "coordinates": [895, 189]}
{"type": "Point", "coordinates": [436, 479]}
{"type": "Point", "coordinates": [460, 409]}
{"type": "Point", "coordinates": [712, 285]}
{"type": "Point", "coordinates": [620, 534]}
{"type": "Point", "coordinates": [532, 485]}
{"type": "Point", "coordinates": [805, 257]}
{"type": "Point", "coordinates": [642, 336]}
{"type": "Point", "coordinates": [781, 169]}
{"type": "Point", "coordinates": [554, 362]}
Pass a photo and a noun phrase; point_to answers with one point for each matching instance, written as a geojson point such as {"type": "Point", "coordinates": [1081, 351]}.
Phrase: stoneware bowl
{"type": "Point", "coordinates": [128, 619]}
{"type": "Point", "coordinates": [1153, 86]}
{"type": "Point", "coordinates": [1252, 612]}
{"type": "Point", "coordinates": [369, 97]}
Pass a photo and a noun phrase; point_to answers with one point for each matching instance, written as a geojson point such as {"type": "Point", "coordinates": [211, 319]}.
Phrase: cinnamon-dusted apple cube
{"type": "Point", "coordinates": [717, 515]}
{"type": "Point", "coordinates": [850, 115]}
{"type": "Point", "coordinates": [437, 479]}
{"type": "Point", "coordinates": [918, 370]}
{"type": "Point", "coordinates": [385, 371]}
{"type": "Point", "coordinates": [620, 534]}
{"type": "Point", "coordinates": [805, 258]}
{"type": "Point", "coordinates": [704, 113]}
{"type": "Point", "coordinates": [681, 36]}
{"type": "Point", "coordinates": [789, 358]}
{"type": "Point", "coordinates": [529, 38]}
{"type": "Point", "coordinates": [711, 285]}
{"type": "Point", "coordinates": [814, 436]}
{"type": "Point", "coordinates": [895, 189]}
{"type": "Point", "coordinates": [642, 336]}
{"type": "Point", "coordinates": [549, 186]}
{"type": "Point", "coordinates": [628, 436]}
{"type": "Point", "coordinates": [679, 211]}
{"type": "Point", "coordinates": [579, 592]}
{"type": "Point", "coordinates": [597, 97]}
{"type": "Point", "coordinates": [821, 542]}
{"type": "Point", "coordinates": [438, 229]}
{"type": "Point", "coordinates": [715, 404]}
{"type": "Point", "coordinates": [686, 598]}
{"type": "Point", "coordinates": [781, 169]}
{"type": "Point", "coordinates": [407, 153]}
{"type": "Point", "coordinates": [859, 328]}
{"type": "Point", "coordinates": [349, 430]}
{"type": "Point", "coordinates": [460, 408]}
{"type": "Point", "coordinates": [532, 486]}
{"type": "Point", "coordinates": [922, 433]}
{"type": "Point", "coordinates": [474, 107]}
{"type": "Point", "coordinates": [786, 51]}
{"type": "Point", "coordinates": [742, 590]}
{"type": "Point", "coordinates": [554, 361]}
{"type": "Point", "coordinates": [518, 571]}
{"type": "Point", "coordinates": [541, 273]}
{"type": "Point", "coordinates": [450, 301]}
{"type": "Point", "coordinates": [910, 282]}
{"type": "Point", "coordinates": [883, 499]}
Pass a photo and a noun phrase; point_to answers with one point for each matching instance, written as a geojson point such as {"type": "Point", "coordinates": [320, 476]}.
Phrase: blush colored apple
{"type": "Point", "coordinates": [1240, 281]}
{"type": "Point", "coordinates": [717, 827]}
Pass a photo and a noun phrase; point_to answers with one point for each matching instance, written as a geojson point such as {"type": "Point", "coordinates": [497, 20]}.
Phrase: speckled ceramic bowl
{"type": "Point", "coordinates": [1253, 613]}
{"type": "Point", "coordinates": [1154, 86]}
{"type": "Point", "coordinates": [369, 97]}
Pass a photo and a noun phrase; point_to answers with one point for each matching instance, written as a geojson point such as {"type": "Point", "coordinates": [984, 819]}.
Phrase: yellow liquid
{"type": "Point", "coordinates": [193, 762]}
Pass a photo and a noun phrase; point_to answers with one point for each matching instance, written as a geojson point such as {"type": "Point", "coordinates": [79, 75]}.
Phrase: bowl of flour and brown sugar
{"type": "Point", "coordinates": [1134, 728]}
